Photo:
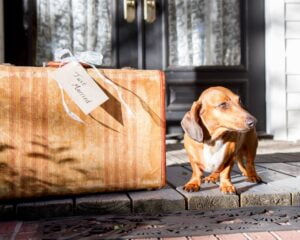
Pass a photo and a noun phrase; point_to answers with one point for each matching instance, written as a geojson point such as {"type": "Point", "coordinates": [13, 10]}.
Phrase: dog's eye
{"type": "Point", "coordinates": [223, 105]}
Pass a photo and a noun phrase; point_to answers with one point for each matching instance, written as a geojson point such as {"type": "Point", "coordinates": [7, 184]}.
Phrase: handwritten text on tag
{"type": "Point", "coordinates": [80, 87]}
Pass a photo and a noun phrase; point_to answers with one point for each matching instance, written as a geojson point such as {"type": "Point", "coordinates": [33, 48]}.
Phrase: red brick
{"type": "Point", "coordinates": [236, 236]}
{"type": "Point", "coordinates": [260, 236]}
{"type": "Point", "coordinates": [25, 236]}
{"type": "Point", "coordinates": [7, 227]}
{"type": "Point", "coordinates": [287, 235]}
{"type": "Point", "coordinates": [29, 227]}
{"type": "Point", "coordinates": [5, 236]}
{"type": "Point", "coordinates": [146, 238]}
{"type": "Point", "coordinates": [174, 238]}
{"type": "Point", "coordinates": [209, 237]}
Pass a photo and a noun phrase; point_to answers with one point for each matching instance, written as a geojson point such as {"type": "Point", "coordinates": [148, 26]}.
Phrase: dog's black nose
{"type": "Point", "coordinates": [250, 121]}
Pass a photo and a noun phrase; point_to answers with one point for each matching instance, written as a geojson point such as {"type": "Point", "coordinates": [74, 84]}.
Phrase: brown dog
{"type": "Point", "coordinates": [218, 132]}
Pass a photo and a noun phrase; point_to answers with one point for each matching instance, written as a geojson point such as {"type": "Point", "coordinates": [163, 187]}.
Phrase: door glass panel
{"type": "Point", "coordinates": [204, 32]}
{"type": "Point", "coordinates": [78, 25]}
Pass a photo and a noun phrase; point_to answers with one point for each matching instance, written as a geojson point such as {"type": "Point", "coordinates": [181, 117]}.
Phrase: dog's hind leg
{"type": "Point", "coordinates": [250, 150]}
{"type": "Point", "coordinates": [240, 163]}
{"type": "Point", "coordinates": [250, 167]}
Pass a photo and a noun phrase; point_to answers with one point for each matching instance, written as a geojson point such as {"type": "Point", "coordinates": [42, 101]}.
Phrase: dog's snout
{"type": "Point", "coordinates": [250, 121]}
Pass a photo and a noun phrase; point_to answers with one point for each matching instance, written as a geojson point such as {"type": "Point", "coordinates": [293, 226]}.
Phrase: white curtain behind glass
{"type": "Point", "coordinates": [79, 25]}
{"type": "Point", "coordinates": [204, 32]}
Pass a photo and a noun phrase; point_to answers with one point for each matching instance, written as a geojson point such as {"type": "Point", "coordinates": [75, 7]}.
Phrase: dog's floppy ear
{"type": "Point", "coordinates": [190, 123]}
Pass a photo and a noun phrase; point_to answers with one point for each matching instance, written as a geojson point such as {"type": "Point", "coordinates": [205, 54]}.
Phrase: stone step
{"type": "Point", "coordinates": [280, 187]}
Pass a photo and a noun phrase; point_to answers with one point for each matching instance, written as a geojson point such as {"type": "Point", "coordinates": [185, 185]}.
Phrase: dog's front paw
{"type": "Point", "coordinates": [211, 179]}
{"type": "Point", "coordinates": [191, 187]}
{"type": "Point", "coordinates": [227, 188]}
{"type": "Point", "coordinates": [254, 179]}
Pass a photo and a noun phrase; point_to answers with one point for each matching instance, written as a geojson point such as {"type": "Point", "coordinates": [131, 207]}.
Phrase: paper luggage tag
{"type": "Point", "coordinates": [80, 87]}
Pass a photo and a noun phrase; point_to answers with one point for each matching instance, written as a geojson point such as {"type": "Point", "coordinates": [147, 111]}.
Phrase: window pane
{"type": "Point", "coordinates": [204, 32]}
{"type": "Point", "coordinates": [78, 25]}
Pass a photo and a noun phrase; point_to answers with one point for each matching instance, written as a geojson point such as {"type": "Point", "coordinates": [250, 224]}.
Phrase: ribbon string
{"type": "Point", "coordinates": [110, 82]}
{"type": "Point", "coordinates": [71, 114]}
{"type": "Point", "coordinates": [67, 109]}
{"type": "Point", "coordinates": [65, 56]}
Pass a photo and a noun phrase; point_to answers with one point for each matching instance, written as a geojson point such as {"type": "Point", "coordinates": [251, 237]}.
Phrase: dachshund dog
{"type": "Point", "coordinates": [218, 132]}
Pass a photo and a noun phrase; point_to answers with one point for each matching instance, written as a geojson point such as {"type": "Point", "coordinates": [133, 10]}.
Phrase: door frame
{"type": "Point", "coordinates": [250, 75]}
{"type": "Point", "coordinates": [275, 69]}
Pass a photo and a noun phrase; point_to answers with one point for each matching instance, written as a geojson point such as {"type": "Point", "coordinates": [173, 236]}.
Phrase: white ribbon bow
{"type": "Point", "coordinates": [90, 58]}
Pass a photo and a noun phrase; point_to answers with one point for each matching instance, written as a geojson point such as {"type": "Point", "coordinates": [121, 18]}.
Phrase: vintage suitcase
{"type": "Point", "coordinates": [44, 152]}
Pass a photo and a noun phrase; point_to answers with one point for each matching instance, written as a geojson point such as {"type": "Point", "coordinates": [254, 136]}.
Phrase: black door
{"type": "Point", "coordinates": [198, 43]}
{"type": "Point", "coordinates": [237, 26]}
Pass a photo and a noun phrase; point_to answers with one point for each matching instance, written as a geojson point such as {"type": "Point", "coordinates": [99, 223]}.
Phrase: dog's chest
{"type": "Point", "coordinates": [213, 156]}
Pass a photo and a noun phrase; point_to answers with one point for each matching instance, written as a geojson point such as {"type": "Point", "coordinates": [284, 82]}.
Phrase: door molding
{"type": "Point", "coordinates": [251, 70]}
{"type": "Point", "coordinates": [275, 69]}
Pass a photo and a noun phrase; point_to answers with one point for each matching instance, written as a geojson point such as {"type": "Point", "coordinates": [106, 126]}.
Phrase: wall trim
{"type": "Point", "coordinates": [276, 99]}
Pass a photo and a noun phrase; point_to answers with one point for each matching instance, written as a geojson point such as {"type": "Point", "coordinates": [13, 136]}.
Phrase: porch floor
{"type": "Point", "coordinates": [278, 164]}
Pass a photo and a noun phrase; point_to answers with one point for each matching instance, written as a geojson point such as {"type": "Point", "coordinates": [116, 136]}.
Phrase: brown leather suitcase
{"type": "Point", "coordinates": [44, 152]}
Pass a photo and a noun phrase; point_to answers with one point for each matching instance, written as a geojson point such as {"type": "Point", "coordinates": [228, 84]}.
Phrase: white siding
{"type": "Point", "coordinates": [293, 83]}
{"type": "Point", "coordinates": [292, 11]}
{"type": "Point", "coordinates": [283, 68]}
{"type": "Point", "coordinates": [293, 102]}
{"type": "Point", "coordinates": [292, 71]}
{"type": "Point", "coordinates": [292, 55]}
{"type": "Point", "coordinates": [292, 47]}
{"type": "Point", "coordinates": [293, 133]}
{"type": "Point", "coordinates": [292, 29]}
{"type": "Point", "coordinates": [293, 118]}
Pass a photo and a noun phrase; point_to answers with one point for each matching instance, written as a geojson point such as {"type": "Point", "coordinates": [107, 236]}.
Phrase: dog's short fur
{"type": "Point", "coordinates": [218, 132]}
